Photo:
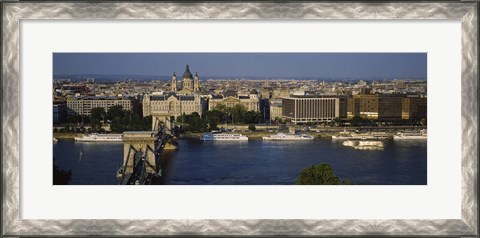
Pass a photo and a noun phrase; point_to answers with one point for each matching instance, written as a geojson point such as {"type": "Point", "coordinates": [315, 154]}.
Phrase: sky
{"type": "Point", "coordinates": [268, 65]}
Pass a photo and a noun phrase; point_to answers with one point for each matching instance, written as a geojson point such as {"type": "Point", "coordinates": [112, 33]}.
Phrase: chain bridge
{"type": "Point", "coordinates": [142, 160]}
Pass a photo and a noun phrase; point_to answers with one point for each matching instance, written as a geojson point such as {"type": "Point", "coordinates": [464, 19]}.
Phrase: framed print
{"type": "Point", "coordinates": [227, 111]}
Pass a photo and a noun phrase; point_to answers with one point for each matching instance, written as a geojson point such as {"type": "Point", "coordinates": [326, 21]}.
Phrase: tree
{"type": "Point", "coordinates": [238, 113]}
{"type": "Point", "coordinates": [423, 122]}
{"type": "Point", "coordinates": [181, 118]}
{"type": "Point", "coordinates": [74, 118]}
{"type": "Point", "coordinates": [114, 112]}
{"type": "Point", "coordinates": [125, 120]}
{"type": "Point", "coordinates": [95, 125]}
{"type": "Point", "coordinates": [360, 121]}
{"type": "Point", "coordinates": [98, 113]}
{"type": "Point", "coordinates": [320, 174]}
{"type": "Point", "coordinates": [252, 127]}
{"type": "Point", "coordinates": [147, 123]}
{"type": "Point", "coordinates": [137, 107]}
{"type": "Point", "coordinates": [196, 123]}
{"type": "Point", "coordinates": [212, 118]}
{"type": "Point", "coordinates": [60, 177]}
{"type": "Point", "coordinates": [252, 117]}
{"type": "Point", "coordinates": [220, 107]}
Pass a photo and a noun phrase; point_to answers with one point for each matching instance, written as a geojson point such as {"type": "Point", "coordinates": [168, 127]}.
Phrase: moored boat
{"type": "Point", "coordinates": [411, 135]}
{"type": "Point", "coordinates": [95, 137]}
{"type": "Point", "coordinates": [289, 137]}
{"type": "Point", "coordinates": [222, 137]}
{"type": "Point", "coordinates": [364, 145]}
{"type": "Point", "coordinates": [361, 136]}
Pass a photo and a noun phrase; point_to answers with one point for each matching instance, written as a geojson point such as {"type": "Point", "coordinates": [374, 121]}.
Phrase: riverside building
{"type": "Point", "coordinates": [162, 107]}
{"type": "Point", "coordinates": [84, 105]}
{"type": "Point", "coordinates": [276, 109]}
{"type": "Point", "coordinates": [310, 109]}
{"type": "Point", "coordinates": [230, 98]}
{"type": "Point", "coordinates": [184, 98]}
{"type": "Point", "coordinates": [171, 105]}
{"type": "Point", "coordinates": [387, 107]}
{"type": "Point", "coordinates": [414, 107]}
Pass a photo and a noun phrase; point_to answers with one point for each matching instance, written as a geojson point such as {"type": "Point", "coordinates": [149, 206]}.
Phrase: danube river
{"type": "Point", "coordinates": [252, 162]}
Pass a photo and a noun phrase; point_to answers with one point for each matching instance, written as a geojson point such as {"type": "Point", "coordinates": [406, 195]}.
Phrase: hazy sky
{"type": "Point", "coordinates": [327, 65]}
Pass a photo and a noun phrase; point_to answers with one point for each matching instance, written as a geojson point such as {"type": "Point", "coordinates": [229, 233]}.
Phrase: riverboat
{"type": "Point", "coordinates": [411, 135]}
{"type": "Point", "coordinates": [361, 136]}
{"type": "Point", "coordinates": [364, 145]}
{"type": "Point", "coordinates": [223, 137]}
{"type": "Point", "coordinates": [95, 137]}
{"type": "Point", "coordinates": [289, 137]}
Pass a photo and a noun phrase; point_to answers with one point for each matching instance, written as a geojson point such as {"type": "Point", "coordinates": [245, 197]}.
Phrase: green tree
{"type": "Point", "coordinates": [95, 125]}
{"type": "Point", "coordinates": [125, 120]}
{"type": "Point", "coordinates": [320, 174]}
{"type": "Point", "coordinates": [98, 113]}
{"type": "Point", "coordinates": [238, 113]}
{"type": "Point", "coordinates": [116, 125]}
{"type": "Point", "coordinates": [220, 107]}
{"type": "Point", "coordinates": [360, 121]}
{"type": "Point", "coordinates": [213, 118]}
{"type": "Point", "coordinates": [74, 118]}
{"type": "Point", "coordinates": [60, 177]}
{"type": "Point", "coordinates": [147, 123]}
{"type": "Point", "coordinates": [252, 117]}
{"type": "Point", "coordinates": [196, 123]}
{"type": "Point", "coordinates": [423, 122]}
{"type": "Point", "coordinates": [252, 127]}
{"type": "Point", "coordinates": [181, 118]}
{"type": "Point", "coordinates": [115, 112]}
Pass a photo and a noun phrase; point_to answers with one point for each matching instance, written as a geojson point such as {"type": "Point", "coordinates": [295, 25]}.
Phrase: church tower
{"type": "Point", "coordinates": [174, 82]}
{"type": "Point", "coordinates": [196, 83]}
{"type": "Point", "coordinates": [187, 79]}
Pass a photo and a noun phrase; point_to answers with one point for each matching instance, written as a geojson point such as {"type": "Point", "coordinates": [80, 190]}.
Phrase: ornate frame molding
{"type": "Point", "coordinates": [13, 12]}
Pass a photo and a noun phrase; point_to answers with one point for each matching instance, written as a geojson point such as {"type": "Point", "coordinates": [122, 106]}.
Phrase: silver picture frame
{"type": "Point", "coordinates": [13, 12]}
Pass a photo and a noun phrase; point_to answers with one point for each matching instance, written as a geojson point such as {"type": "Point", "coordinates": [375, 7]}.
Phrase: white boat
{"type": "Point", "coordinates": [95, 137]}
{"type": "Point", "coordinates": [55, 139]}
{"type": "Point", "coordinates": [222, 137]}
{"type": "Point", "coordinates": [361, 136]}
{"type": "Point", "coordinates": [283, 136]}
{"type": "Point", "coordinates": [411, 135]}
{"type": "Point", "coordinates": [364, 145]}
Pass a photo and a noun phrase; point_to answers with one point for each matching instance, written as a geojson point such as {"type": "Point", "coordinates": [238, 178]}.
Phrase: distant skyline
{"type": "Point", "coordinates": [268, 65]}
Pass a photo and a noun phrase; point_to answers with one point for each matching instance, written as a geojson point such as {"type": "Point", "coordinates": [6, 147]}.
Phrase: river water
{"type": "Point", "coordinates": [252, 162]}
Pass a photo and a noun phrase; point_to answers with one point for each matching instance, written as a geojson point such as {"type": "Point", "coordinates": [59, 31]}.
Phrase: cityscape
{"type": "Point", "coordinates": [361, 123]}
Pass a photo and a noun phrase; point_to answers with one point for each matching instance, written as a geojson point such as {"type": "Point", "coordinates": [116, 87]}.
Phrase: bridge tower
{"type": "Point", "coordinates": [138, 145]}
{"type": "Point", "coordinates": [142, 152]}
{"type": "Point", "coordinates": [162, 119]}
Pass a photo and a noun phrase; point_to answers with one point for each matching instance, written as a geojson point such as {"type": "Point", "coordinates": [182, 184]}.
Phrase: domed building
{"type": "Point", "coordinates": [189, 83]}
{"type": "Point", "coordinates": [185, 100]}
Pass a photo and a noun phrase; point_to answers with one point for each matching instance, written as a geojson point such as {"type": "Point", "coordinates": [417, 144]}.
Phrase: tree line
{"type": "Point", "coordinates": [218, 115]}
{"type": "Point", "coordinates": [120, 120]}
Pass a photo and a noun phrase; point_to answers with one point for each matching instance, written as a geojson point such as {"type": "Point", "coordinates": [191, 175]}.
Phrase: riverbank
{"type": "Point", "coordinates": [257, 135]}
{"type": "Point", "coordinates": [65, 135]}
{"type": "Point", "coordinates": [252, 135]}
{"type": "Point", "coordinates": [70, 136]}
